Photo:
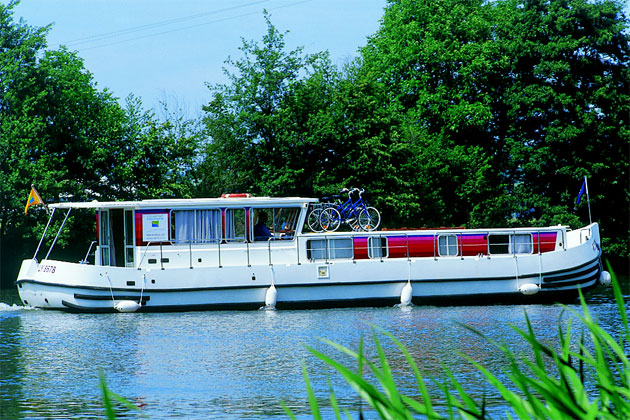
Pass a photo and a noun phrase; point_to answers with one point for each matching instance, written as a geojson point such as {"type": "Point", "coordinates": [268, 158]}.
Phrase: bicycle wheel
{"type": "Point", "coordinates": [330, 219]}
{"type": "Point", "coordinates": [369, 219]}
{"type": "Point", "coordinates": [313, 221]}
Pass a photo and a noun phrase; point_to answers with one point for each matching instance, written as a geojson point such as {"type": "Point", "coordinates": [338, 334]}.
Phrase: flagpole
{"type": "Point", "coordinates": [588, 201]}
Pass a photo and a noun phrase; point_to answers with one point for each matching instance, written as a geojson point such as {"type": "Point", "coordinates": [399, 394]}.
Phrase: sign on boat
{"type": "Point", "coordinates": [244, 252]}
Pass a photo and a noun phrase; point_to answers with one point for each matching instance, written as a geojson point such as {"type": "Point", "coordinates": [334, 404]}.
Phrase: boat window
{"type": "Point", "coordinates": [325, 249]}
{"type": "Point", "coordinates": [499, 244]}
{"type": "Point", "coordinates": [522, 243]}
{"type": "Point", "coordinates": [377, 247]}
{"type": "Point", "coordinates": [340, 248]}
{"type": "Point", "coordinates": [447, 245]}
{"type": "Point", "coordinates": [274, 223]}
{"type": "Point", "coordinates": [235, 225]}
{"type": "Point", "coordinates": [317, 249]}
{"type": "Point", "coordinates": [196, 226]}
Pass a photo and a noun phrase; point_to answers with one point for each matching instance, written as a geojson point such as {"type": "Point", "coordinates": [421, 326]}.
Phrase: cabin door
{"type": "Point", "coordinates": [113, 242]}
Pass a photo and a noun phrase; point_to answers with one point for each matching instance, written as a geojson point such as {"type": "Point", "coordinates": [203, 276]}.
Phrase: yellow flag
{"type": "Point", "coordinates": [33, 199]}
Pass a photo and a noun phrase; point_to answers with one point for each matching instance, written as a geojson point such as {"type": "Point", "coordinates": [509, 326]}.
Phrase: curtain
{"type": "Point", "coordinates": [197, 225]}
{"type": "Point", "coordinates": [522, 243]}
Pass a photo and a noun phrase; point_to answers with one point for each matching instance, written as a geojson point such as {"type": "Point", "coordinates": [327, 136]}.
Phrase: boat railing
{"type": "Point", "coordinates": [585, 234]}
{"type": "Point", "coordinates": [220, 252]}
{"type": "Point", "coordinates": [336, 246]}
{"type": "Point", "coordinates": [87, 254]}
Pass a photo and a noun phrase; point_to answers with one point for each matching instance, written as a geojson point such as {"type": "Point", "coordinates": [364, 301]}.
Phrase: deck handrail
{"type": "Point", "coordinates": [401, 248]}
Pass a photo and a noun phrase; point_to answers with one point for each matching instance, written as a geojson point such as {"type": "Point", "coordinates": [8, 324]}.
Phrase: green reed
{"type": "Point", "coordinates": [552, 386]}
{"type": "Point", "coordinates": [111, 398]}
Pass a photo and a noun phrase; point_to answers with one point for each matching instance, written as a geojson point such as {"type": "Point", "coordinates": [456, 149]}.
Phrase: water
{"type": "Point", "coordinates": [221, 365]}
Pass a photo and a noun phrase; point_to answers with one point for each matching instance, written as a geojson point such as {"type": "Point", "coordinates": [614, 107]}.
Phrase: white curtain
{"type": "Point", "coordinates": [197, 225]}
{"type": "Point", "coordinates": [229, 225]}
{"type": "Point", "coordinates": [522, 243]}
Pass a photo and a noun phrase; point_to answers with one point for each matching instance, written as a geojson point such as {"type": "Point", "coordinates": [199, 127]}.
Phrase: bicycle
{"type": "Point", "coordinates": [356, 214]}
{"type": "Point", "coordinates": [315, 212]}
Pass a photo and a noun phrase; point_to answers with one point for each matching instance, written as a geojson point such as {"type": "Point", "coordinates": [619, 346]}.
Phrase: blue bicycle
{"type": "Point", "coordinates": [353, 212]}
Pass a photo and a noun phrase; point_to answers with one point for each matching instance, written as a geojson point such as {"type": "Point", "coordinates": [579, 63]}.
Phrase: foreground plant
{"type": "Point", "coordinates": [590, 383]}
{"type": "Point", "coordinates": [110, 398]}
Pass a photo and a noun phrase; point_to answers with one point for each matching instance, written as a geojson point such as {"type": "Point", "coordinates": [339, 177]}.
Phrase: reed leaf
{"type": "Point", "coordinates": [108, 396]}
{"type": "Point", "coordinates": [376, 399]}
{"type": "Point", "coordinates": [426, 406]}
{"type": "Point", "coordinates": [107, 401]}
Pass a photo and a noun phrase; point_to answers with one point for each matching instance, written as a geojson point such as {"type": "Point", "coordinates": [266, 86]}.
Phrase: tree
{"type": "Point", "coordinates": [537, 89]}
{"type": "Point", "coordinates": [457, 113]}
{"type": "Point", "coordinates": [74, 142]}
{"type": "Point", "coordinates": [250, 122]}
{"type": "Point", "coordinates": [568, 102]}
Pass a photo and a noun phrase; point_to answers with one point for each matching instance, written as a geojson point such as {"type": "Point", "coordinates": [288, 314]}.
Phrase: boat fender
{"type": "Point", "coordinates": [405, 294]}
{"type": "Point", "coordinates": [127, 306]}
{"type": "Point", "coordinates": [529, 289]}
{"type": "Point", "coordinates": [271, 297]}
{"type": "Point", "coordinates": [605, 279]}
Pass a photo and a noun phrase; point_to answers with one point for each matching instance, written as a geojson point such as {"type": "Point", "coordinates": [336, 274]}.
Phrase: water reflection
{"type": "Point", "coordinates": [201, 365]}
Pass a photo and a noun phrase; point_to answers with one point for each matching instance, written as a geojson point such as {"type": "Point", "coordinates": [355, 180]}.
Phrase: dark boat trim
{"type": "Point", "coordinates": [109, 297]}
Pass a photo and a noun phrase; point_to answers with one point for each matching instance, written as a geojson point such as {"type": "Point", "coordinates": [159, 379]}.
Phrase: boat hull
{"type": "Point", "coordinates": [551, 276]}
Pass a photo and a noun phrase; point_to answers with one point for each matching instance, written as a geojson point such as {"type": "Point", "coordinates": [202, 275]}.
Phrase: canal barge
{"type": "Point", "coordinates": [198, 254]}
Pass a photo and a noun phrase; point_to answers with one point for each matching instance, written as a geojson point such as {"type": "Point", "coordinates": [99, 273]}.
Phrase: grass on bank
{"type": "Point", "coordinates": [553, 386]}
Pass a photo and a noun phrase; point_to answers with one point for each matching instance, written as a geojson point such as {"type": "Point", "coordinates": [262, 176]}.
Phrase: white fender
{"type": "Point", "coordinates": [605, 279]}
{"type": "Point", "coordinates": [271, 297]}
{"type": "Point", "coordinates": [127, 306]}
{"type": "Point", "coordinates": [529, 289]}
{"type": "Point", "coordinates": [405, 294]}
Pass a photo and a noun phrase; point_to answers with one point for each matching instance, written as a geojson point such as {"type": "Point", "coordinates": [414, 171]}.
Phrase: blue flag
{"type": "Point", "coordinates": [581, 192]}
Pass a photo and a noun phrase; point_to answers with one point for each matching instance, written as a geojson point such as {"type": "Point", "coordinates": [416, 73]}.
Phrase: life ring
{"type": "Point", "coordinates": [236, 195]}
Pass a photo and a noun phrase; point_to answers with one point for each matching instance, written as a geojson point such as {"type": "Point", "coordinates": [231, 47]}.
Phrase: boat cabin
{"type": "Point", "coordinates": [261, 230]}
{"type": "Point", "coordinates": [128, 233]}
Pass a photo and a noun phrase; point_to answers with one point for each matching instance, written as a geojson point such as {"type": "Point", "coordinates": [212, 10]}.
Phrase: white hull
{"type": "Point", "coordinates": [229, 282]}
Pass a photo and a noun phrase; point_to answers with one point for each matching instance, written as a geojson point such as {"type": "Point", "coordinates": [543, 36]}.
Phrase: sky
{"type": "Point", "coordinates": [168, 50]}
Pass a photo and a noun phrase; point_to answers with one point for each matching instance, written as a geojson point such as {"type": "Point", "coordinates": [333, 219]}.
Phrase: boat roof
{"type": "Point", "coordinates": [189, 203]}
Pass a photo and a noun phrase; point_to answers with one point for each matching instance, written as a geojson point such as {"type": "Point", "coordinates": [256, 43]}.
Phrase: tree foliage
{"type": "Point", "coordinates": [73, 141]}
{"type": "Point", "coordinates": [456, 113]}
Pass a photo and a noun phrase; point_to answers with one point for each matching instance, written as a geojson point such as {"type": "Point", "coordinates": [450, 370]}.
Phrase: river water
{"type": "Point", "coordinates": [224, 365]}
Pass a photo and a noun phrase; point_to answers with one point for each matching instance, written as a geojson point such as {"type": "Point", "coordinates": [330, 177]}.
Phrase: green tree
{"type": "Point", "coordinates": [457, 113]}
{"type": "Point", "coordinates": [537, 90]}
{"type": "Point", "coordinates": [74, 142]}
{"type": "Point", "coordinates": [254, 123]}
{"type": "Point", "coordinates": [568, 104]}
{"type": "Point", "coordinates": [432, 62]}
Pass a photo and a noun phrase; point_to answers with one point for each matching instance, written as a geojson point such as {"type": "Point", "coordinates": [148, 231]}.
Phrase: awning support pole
{"type": "Point", "coordinates": [58, 232]}
{"type": "Point", "coordinates": [44, 234]}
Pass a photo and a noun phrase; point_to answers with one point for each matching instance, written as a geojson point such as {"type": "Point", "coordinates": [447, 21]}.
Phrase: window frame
{"type": "Point", "coordinates": [500, 244]}
{"type": "Point", "coordinates": [273, 214]}
{"type": "Point", "coordinates": [330, 251]}
{"type": "Point", "coordinates": [513, 244]}
{"type": "Point", "coordinates": [448, 246]}
{"type": "Point", "coordinates": [383, 247]}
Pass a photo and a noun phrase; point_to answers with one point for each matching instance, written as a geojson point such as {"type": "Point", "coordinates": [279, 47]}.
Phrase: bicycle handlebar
{"type": "Point", "coordinates": [350, 191]}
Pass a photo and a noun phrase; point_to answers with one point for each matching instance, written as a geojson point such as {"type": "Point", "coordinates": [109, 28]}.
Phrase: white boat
{"type": "Point", "coordinates": [194, 254]}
